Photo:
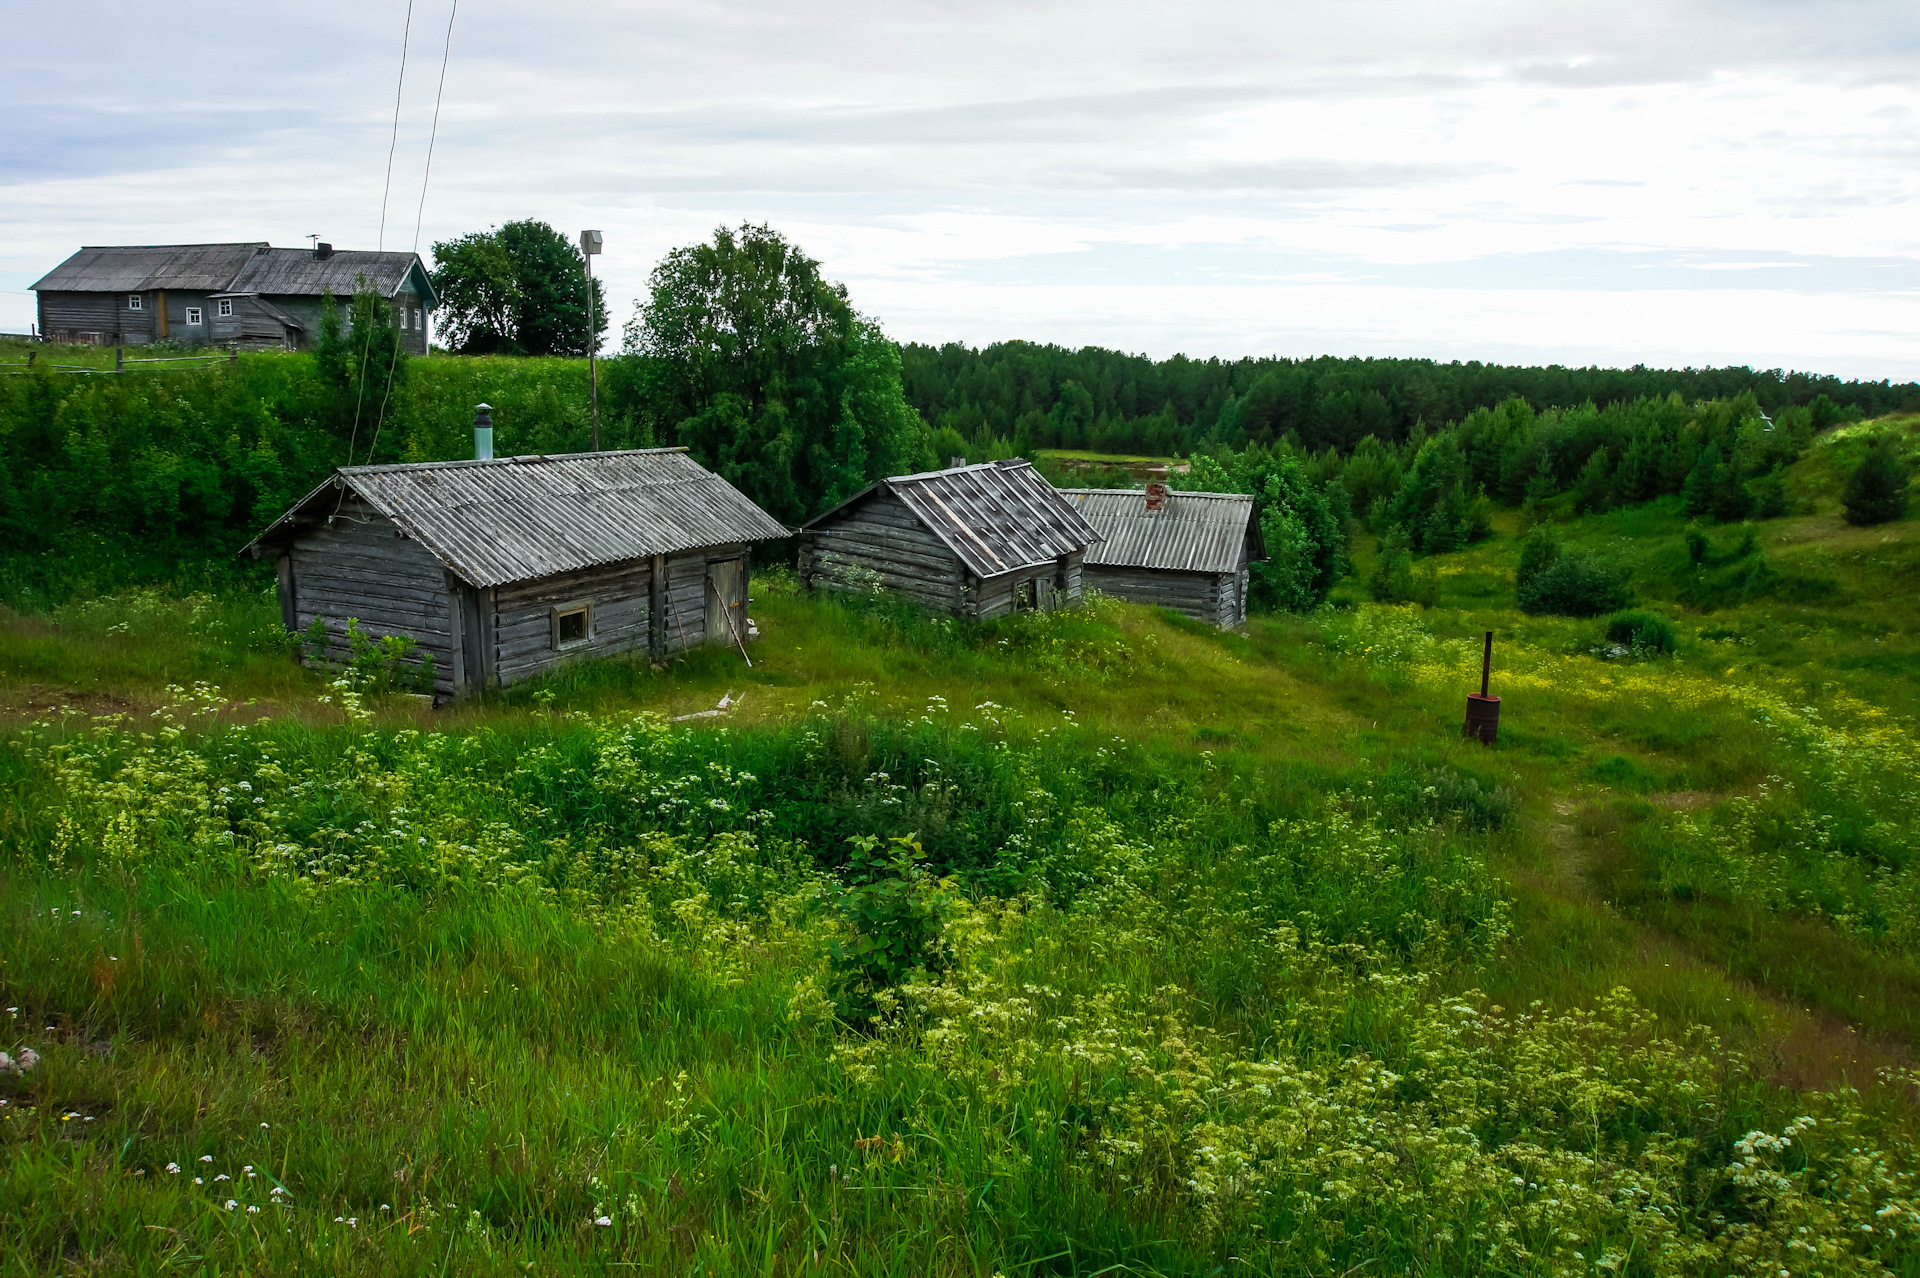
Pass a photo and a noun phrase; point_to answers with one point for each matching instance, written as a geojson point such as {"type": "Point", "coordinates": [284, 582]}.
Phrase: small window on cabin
{"type": "Point", "coordinates": [133, 301]}
{"type": "Point", "coordinates": [1023, 597]}
{"type": "Point", "coordinates": [226, 307]}
{"type": "Point", "coordinates": [572, 624]}
{"type": "Point", "coordinates": [195, 315]}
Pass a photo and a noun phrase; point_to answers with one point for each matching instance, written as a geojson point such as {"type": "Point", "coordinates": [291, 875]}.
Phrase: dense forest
{"type": "Point", "coordinates": [1039, 396]}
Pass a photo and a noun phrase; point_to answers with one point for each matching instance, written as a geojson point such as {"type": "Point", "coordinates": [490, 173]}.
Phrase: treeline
{"type": "Point", "coordinates": [1430, 493]}
{"type": "Point", "coordinates": [1014, 397]}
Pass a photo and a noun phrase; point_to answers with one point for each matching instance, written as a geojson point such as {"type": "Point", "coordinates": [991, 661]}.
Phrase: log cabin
{"type": "Point", "coordinates": [978, 541]}
{"type": "Point", "coordinates": [252, 296]}
{"type": "Point", "coordinates": [1185, 551]}
{"type": "Point", "coordinates": [503, 568]}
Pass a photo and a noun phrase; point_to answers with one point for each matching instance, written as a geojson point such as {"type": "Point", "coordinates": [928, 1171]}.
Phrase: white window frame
{"type": "Point", "coordinates": [135, 302]}
{"type": "Point", "coordinates": [225, 308]}
{"type": "Point", "coordinates": [196, 317]}
{"type": "Point", "coordinates": [576, 607]}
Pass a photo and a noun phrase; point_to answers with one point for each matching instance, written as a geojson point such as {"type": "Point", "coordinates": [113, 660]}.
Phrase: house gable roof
{"type": "Point", "coordinates": [998, 517]}
{"type": "Point", "coordinates": [236, 268]}
{"type": "Point", "coordinates": [1192, 532]}
{"type": "Point", "coordinates": [300, 272]}
{"type": "Point", "coordinates": [523, 518]}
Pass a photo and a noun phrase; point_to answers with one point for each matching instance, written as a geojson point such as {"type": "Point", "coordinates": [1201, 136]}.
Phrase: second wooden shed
{"type": "Point", "coordinates": [502, 568]}
{"type": "Point", "coordinates": [979, 541]}
{"type": "Point", "coordinates": [1184, 551]}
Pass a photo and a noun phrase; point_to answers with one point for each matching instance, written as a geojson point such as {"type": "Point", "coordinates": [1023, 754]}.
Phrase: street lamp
{"type": "Point", "coordinates": [591, 243]}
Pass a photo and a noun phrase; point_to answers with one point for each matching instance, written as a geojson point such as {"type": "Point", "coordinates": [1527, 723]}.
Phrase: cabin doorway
{"type": "Point", "coordinates": [727, 601]}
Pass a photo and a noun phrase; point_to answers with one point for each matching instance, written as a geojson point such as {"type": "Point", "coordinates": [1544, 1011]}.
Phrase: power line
{"type": "Point", "coordinates": [406, 37]}
{"type": "Point", "coordinates": [434, 134]}
{"type": "Point", "coordinates": [419, 215]}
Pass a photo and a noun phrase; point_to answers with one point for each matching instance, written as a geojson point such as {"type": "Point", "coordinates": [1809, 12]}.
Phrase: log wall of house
{"type": "Point", "coordinates": [363, 567]}
{"type": "Point", "coordinates": [621, 595]}
{"type": "Point", "coordinates": [71, 317]}
{"type": "Point", "coordinates": [996, 596]}
{"type": "Point", "coordinates": [880, 541]}
{"type": "Point", "coordinates": [1196, 594]}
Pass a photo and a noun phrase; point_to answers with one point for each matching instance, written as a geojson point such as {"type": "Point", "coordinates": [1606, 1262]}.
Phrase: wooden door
{"type": "Point", "coordinates": [726, 601]}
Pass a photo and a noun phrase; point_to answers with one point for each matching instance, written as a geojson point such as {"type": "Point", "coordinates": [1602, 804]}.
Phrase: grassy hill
{"type": "Point", "coordinates": [1079, 943]}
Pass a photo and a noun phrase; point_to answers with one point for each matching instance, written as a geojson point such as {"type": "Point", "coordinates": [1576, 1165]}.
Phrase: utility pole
{"type": "Point", "coordinates": [590, 244]}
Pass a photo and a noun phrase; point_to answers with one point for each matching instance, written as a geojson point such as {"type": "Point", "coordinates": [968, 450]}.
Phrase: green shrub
{"type": "Point", "coordinates": [1642, 631]}
{"type": "Point", "coordinates": [1876, 491]}
{"type": "Point", "coordinates": [1571, 583]}
{"type": "Point", "coordinates": [895, 914]}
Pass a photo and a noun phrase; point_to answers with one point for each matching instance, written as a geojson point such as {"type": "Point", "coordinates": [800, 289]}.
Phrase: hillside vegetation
{"type": "Point", "coordinates": [1084, 942]}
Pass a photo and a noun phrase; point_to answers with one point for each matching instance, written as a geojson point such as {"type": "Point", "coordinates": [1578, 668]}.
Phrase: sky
{"type": "Point", "coordinates": [1581, 183]}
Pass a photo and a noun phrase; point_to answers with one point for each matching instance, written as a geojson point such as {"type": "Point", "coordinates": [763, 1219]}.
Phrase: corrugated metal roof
{"type": "Point", "coordinates": [302, 273]}
{"type": "Point", "coordinates": [235, 268]}
{"type": "Point", "coordinates": [136, 268]}
{"type": "Point", "coordinates": [1192, 532]}
{"type": "Point", "coordinates": [520, 519]}
{"type": "Point", "coordinates": [997, 516]}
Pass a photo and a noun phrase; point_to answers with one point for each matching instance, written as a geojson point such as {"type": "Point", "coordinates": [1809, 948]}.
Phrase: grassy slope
{"type": "Point", "coordinates": [380, 1037]}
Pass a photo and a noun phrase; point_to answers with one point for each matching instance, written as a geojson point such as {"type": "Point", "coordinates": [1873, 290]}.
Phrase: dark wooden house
{"type": "Point", "coordinates": [979, 541]}
{"type": "Point", "coordinates": [503, 568]}
{"type": "Point", "coordinates": [1184, 551]}
{"type": "Point", "coordinates": [252, 296]}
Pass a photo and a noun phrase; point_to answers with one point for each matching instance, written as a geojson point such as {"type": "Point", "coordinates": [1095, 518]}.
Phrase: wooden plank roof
{"type": "Point", "coordinates": [301, 272]}
{"type": "Point", "coordinates": [997, 516]}
{"type": "Point", "coordinates": [1192, 532]}
{"type": "Point", "coordinates": [235, 268]}
{"type": "Point", "coordinates": [137, 268]}
{"type": "Point", "coordinates": [524, 518]}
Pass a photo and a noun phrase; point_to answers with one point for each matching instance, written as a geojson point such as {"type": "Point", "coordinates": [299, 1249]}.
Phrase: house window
{"type": "Point", "coordinates": [226, 307]}
{"type": "Point", "coordinates": [195, 316]}
{"type": "Point", "coordinates": [1023, 597]}
{"type": "Point", "coordinates": [573, 624]}
{"type": "Point", "coordinates": [133, 301]}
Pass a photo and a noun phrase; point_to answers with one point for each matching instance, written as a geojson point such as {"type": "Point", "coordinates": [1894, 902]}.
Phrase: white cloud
{"type": "Point", "coordinates": [1487, 179]}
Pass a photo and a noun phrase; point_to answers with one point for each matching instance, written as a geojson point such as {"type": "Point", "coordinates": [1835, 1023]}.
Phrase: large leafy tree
{"type": "Point", "coordinates": [1303, 525]}
{"type": "Point", "coordinates": [521, 289]}
{"type": "Point", "coordinates": [765, 370]}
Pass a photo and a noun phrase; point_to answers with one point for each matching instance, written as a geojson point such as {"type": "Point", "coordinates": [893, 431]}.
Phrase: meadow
{"type": "Point", "coordinates": [1087, 942]}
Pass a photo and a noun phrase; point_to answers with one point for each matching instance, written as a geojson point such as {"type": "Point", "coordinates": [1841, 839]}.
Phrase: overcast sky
{"type": "Point", "coordinates": [1662, 183]}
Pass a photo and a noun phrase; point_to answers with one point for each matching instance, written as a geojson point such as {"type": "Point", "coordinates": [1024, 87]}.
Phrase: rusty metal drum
{"type": "Point", "coordinates": [1483, 717]}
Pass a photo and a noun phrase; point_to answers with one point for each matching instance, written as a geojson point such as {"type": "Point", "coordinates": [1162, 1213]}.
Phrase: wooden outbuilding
{"type": "Point", "coordinates": [979, 541]}
{"type": "Point", "coordinates": [503, 568]}
{"type": "Point", "coordinates": [1185, 551]}
{"type": "Point", "coordinates": [252, 295]}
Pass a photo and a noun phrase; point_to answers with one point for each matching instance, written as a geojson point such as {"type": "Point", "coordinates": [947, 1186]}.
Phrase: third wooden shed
{"type": "Point", "coordinates": [1189, 552]}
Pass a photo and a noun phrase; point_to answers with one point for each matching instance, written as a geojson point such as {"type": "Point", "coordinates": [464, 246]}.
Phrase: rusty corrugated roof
{"type": "Point", "coordinates": [1192, 532]}
{"type": "Point", "coordinates": [523, 518]}
{"type": "Point", "coordinates": [997, 516]}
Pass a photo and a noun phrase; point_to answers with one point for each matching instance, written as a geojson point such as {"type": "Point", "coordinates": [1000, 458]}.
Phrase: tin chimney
{"type": "Point", "coordinates": [483, 433]}
{"type": "Point", "coordinates": [1156, 496]}
{"type": "Point", "coordinates": [322, 250]}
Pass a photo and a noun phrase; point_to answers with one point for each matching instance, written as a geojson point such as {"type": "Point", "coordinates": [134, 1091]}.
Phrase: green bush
{"type": "Point", "coordinates": [1876, 491]}
{"type": "Point", "coordinates": [1642, 631]}
{"type": "Point", "coordinates": [1571, 583]}
{"type": "Point", "coordinates": [895, 914]}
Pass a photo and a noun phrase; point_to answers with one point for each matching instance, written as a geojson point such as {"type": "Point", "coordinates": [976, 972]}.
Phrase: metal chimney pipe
{"type": "Point", "coordinates": [483, 433]}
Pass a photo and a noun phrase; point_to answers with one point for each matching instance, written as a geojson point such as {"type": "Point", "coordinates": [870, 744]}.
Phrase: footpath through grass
{"type": "Point", "coordinates": [1089, 942]}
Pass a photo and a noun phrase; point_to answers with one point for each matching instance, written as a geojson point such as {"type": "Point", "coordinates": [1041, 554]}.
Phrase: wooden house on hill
{"type": "Point", "coordinates": [502, 568]}
{"type": "Point", "coordinates": [1184, 551]}
{"type": "Point", "coordinates": [979, 541]}
{"type": "Point", "coordinates": [248, 295]}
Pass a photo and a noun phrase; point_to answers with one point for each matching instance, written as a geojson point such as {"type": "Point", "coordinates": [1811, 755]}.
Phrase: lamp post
{"type": "Point", "coordinates": [590, 244]}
